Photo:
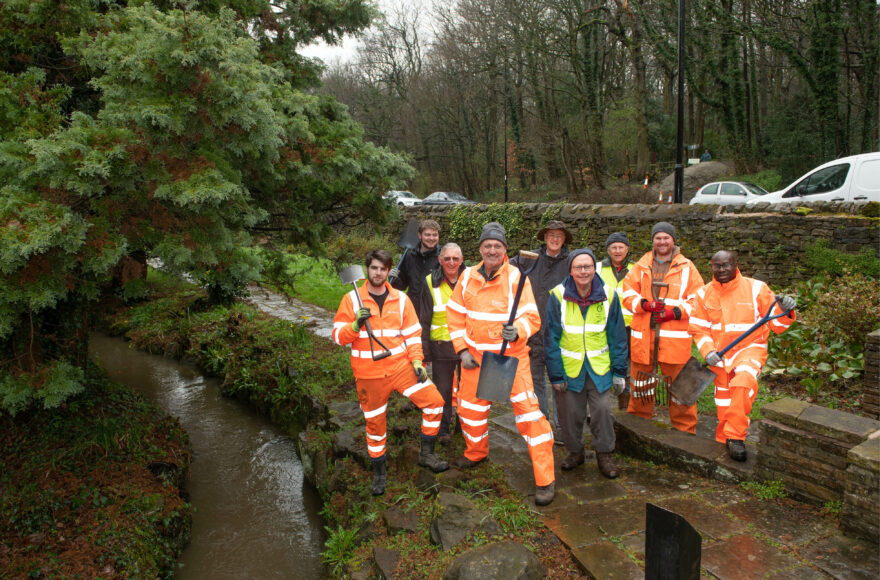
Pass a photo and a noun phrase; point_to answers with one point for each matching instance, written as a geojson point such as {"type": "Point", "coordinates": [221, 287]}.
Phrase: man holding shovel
{"type": "Point", "coordinates": [377, 310]}
{"type": "Point", "coordinates": [420, 262]}
{"type": "Point", "coordinates": [586, 348]}
{"type": "Point", "coordinates": [720, 312]}
{"type": "Point", "coordinates": [478, 314]}
{"type": "Point", "coordinates": [656, 291]}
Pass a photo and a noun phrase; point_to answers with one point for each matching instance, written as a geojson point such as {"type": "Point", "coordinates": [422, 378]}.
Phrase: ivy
{"type": "Point", "coordinates": [466, 224]}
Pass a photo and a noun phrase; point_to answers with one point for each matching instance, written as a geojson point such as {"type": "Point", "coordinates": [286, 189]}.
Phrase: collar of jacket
{"type": "Point", "coordinates": [734, 282]}
{"type": "Point", "coordinates": [438, 275]}
{"type": "Point", "coordinates": [606, 263]}
{"type": "Point", "coordinates": [481, 269]}
{"type": "Point", "coordinates": [435, 251]}
{"type": "Point", "coordinates": [393, 293]}
{"type": "Point", "coordinates": [597, 292]}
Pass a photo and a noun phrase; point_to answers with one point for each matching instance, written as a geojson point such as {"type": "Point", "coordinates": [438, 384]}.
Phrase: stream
{"type": "Point", "coordinates": [255, 515]}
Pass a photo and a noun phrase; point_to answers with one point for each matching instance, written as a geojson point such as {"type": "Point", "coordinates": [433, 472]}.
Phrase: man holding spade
{"type": "Point", "coordinates": [478, 315]}
{"type": "Point", "coordinates": [380, 324]}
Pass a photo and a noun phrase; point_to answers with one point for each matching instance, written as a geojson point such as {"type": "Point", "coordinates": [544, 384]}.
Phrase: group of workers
{"type": "Point", "coordinates": [594, 329]}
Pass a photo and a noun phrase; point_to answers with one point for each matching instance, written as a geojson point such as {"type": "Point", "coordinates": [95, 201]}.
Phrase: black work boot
{"type": "Point", "coordinates": [544, 494]}
{"type": "Point", "coordinates": [736, 448]}
{"type": "Point", "coordinates": [428, 459]}
{"type": "Point", "coordinates": [380, 475]}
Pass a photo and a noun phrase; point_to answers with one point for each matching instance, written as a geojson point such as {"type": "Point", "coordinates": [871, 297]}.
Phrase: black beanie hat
{"type": "Point", "coordinates": [617, 237]}
{"type": "Point", "coordinates": [580, 252]}
{"type": "Point", "coordinates": [494, 231]}
{"type": "Point", "coordinates": [664, 227]}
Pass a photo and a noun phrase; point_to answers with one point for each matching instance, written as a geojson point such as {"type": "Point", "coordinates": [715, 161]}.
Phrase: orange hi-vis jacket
{"type": "Point", "coordinates": [479, 308]}
{"type": "Point", "coordinates": [397, 327]}
{"type": "Point", "coordinates": [720, 313]}
{"type": "Point", "coordinates": [675, 343]}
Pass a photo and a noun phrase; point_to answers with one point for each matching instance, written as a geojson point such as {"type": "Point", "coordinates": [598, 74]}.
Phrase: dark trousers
{"type": "Point", "coordinates": [573, 413]}
{"type": "Point", "coordinates": [443, 375]}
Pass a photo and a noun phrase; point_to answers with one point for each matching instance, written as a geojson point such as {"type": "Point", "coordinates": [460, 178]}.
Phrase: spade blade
{"type": "Point", "coordinates": [497, 373]}
{"type": "Point", "coordinates": [690, 383]}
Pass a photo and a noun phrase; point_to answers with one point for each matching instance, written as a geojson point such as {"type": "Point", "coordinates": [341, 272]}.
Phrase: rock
{"type": "Point", "coordinates": [459, 518]}
{"type": "Point", "coordinates": [426, 481]}
{"type": "Point", "coordinates": [397, 520]}
{"type": "Point", "coordinates": [409, 456]}
{"type": "Point", "coordinates": [501, 560]}
{"type": "Point", "coordinates": [351, 442]}
{"type": "Point", "coordinates": [386, 561]}
{"type": "Point", "coordinates": [343, 412]}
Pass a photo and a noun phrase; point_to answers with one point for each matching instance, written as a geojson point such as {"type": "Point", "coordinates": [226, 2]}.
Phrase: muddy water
{"type": "Point", "coordinates": [255, 515]}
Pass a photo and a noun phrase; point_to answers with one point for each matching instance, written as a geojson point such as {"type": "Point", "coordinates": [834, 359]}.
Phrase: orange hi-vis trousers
{"type": "Point", "coordinates": [683, 417]}
{"type": "Point", "coordinates": [473, 416]}
{"type": "Point", "coordinates": [373, 396]}
{"type": "Point", "coordinates": [735, 392]}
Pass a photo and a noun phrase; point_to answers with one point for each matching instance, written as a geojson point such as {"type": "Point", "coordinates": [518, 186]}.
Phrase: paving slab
{"type": "Point", "coordinates": [799, 573]}
{"type": "Point", "coordinates": [605, 560]}
{"type": "Point", "coordinates": [789, 523]}
{"type": "Point", "coordinates": [726, 495]}
{"type": "Point", "coordinates": [844, 558]}
{"type": "Point", "coordinates": [745, 556]}
{"type": "Point", "coordinates": [652, 482]}
{"type": "Point", "coordinates": [596, 491]}
{"type": "Point", "coordinates": [708, 520]}
{"type": "Point", "coordinates": [571, 527]}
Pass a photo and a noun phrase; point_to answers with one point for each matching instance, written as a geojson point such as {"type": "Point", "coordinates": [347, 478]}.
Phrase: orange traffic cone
{"type": "Point", "coordinates": [660, 197]}
{"type": "Point", "coordinates": [646, 182]}
{"type": "Point", "coordinates": [670, 199]}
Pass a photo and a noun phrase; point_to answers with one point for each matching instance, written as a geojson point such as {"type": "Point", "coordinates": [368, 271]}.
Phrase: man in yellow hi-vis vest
{"type": "Point", "coordinates": [431, 307]}
{"type": "Point", "coordinates": [614, 269]}
{"type": "Point", "coordinates": [586, 350]}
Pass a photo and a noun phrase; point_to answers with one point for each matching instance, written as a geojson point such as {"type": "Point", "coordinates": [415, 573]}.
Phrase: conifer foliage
{"type": "Point", "coordinates": [172, 131]}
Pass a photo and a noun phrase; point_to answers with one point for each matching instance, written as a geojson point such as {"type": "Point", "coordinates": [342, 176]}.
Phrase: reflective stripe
{"type": "Point", "coordinates": [572, 354]}
{"type": "Point", "coordinates": [457, 334]}
{"type": "Point", "coordinates": [528, 328]}
{"type": "Point", "coordinates": [736, 327]}
{"type": "Point", "coordinates": [367, 354]}
{"type": "Point", "coordinates": [488, 316]}
{"type": "Point", "coordinates": [629, 293]}
{"type": "Point", "coordinates": [703, 341]}
{"type": "Point", "coordinates": [701, 322]}
{"type": "Point", "coordinates": [456, 306]}
{"type": "Point", "coordinates": [533, 441]}
{"type": "Point", "coordinates": [410, 330]}
{"type": "Point", "coordinates": [432, 410]}
{"type": "Point", "coordinates": [377, 437]}
{"type": "Point", "coordinates": [722, 402]}
{"type": "Point", "coordinates": [375, 413]}
{"type": "Point", "coordinates": [572, 329]}
{"type": "Point", "coordinates": [476, 439]}
{"type": "Point", "coordinates": [426, 423]}
{"type": "Point", "coordinates": [415, 388]}
{"type": "Point", "coordinates": [747, 369]}
{"type": "Point", "coordinates": [376, 448]}
{"type": "Point", "coordinates": [481, 345]}
{"type": "Point", "coordinates": [474, 407]}
{"type": "Point", "coordinates": [674, 302]}
{"type": "Point", "coordinates": [684, 284]}
{"type": "Point", "coordinates": [341, 324]}
{"type": "Point", "coordinates": [779, 324]}
{"type": "Point", "coordinates": [519, 398]}
{"type": "Point", "coordinates": [674, 333]}
{"type": "Point", "coordinates": [637, 334]}
{"type": "Point", "coordinates": [592, 353]}
{"type": "Point", "coordinates": [721, 390]}
{"type": "Point", "coordinates": [472, 422]}
{"type": "Point", "coordinates": [413, 341]}
{"type": "Point", "coordinates": [533, 416]}
{"type": "Point", "coordinates": [756, 289]}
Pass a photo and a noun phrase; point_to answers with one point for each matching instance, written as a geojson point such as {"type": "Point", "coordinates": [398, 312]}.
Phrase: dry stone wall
{"type": "Point", "coordinates": [771, 240]}
{"type": "Point", "coordinates": [871, 399]}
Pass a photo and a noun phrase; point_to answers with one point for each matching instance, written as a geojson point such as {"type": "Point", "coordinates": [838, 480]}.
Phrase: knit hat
{"type": "Point", "coordinates": [494, 231]}
{"type": "Point", "coordinates": [581, 252]}
{"type": "Point", "coordinates": [554, 225]}
{"type": "Point", "coordinates": [617, 237]}
{"type": "Point", "coordinates": [663, 227]}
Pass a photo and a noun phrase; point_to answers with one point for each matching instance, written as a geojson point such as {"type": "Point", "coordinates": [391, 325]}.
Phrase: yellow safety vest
{"type": "Point", "coordinates": [439, 296]}
{"type": "Point", "coordinates": [607, 276]}
{"type": "Point", "coordinates": [584, 335]}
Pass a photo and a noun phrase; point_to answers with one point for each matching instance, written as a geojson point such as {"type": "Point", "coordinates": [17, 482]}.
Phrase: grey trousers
{"type": "Point", "coordinates": [573, 413]}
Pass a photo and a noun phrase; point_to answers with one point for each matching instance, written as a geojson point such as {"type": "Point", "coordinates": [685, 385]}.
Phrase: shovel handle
{"type": "Point", "coordinates": [369, 329]}
{"type": "Point", "coordinates": [764, 320]}
{"type": "Point", "coordinates": [391, 279]}
{"type": "Point", "coordinates": [519, 287]}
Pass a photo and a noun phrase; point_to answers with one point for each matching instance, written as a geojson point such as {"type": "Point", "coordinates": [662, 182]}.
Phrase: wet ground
{"type": "Point", "coordinates": [603, 521]}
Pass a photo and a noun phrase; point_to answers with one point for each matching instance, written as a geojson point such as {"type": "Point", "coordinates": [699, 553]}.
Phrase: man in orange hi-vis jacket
{"type": "Point", "coordinates": [394, 322]}
{"type": "Point", "coordinates": [477, 314]}
{"type": "Point", "coordinates": [720, 312]}
{"type": "Point", "coordinates": [667, 308]}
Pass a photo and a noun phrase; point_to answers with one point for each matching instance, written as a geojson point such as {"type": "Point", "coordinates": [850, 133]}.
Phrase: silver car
{"type": "Point", "coordinates": [728, 193]}
{"type": "Point", "coordinates": [446, 198]}
{"type": "Point", "coordinates": [402, 198]}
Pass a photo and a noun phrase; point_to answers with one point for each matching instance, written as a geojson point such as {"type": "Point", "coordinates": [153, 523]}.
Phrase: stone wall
{"type": "Point", "coordinates": [823, 455]}
{"type": "Point", "coordinates": [771, 240]}
{"type": "Point", "coordinates": [871, 400]}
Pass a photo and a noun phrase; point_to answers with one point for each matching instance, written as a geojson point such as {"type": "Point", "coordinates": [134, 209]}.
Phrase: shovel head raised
{"type": "Point", "coordinates": [352, 274]}
{"type": "Point", "coordinates": [690, 383]}
{"type": "Point", "coordinates": [409, 237]}
{"type": "Point", "coordinates": [497, 373]}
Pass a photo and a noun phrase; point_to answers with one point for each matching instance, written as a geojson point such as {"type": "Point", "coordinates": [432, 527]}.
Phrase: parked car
{"type": "Point", "coordinates": [402, 198]}
{"type": "Point", "coordinates": [855, 178]}
{"type": "Point", "coordinates": [728, 193]}
{"type": "Point", "coordinates": [446, 197]}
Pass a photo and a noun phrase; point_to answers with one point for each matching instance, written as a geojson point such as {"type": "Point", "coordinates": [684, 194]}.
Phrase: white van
{"type": "Point", "coordinates": [855, 178]}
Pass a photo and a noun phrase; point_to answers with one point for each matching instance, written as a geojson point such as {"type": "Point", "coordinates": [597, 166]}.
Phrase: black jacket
{"type": "Point", "coordinates": [424, 304]}
{"type": "Point", "coordinates": [548, 273]}
{"type": "Point", "coordinates": [416, 265]}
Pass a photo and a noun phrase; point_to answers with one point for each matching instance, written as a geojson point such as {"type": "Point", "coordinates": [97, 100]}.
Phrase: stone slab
{"type": "Point", "coordinates": [785, 410]}
{"type": "Point", "coordinates": [596, 491]}
{"type": "Point", "coordinates": [844, 558]}
{"type": "Point", "coordinates": [571, 527]}
{"type": "Point", "coordinates": [708, 520]}
{"type": "Point", "coordinates": [726, 495]}
{"type": "Point", "coordinates": [799, 573]}
{"type": "Point", "coordinates": [866, 455]}
{"type": "Point", "coordinates": [386, 561]}
{"type": "Point", "coordinates": [789, 523]}
{"type": "Point", "coordinates": [745, 556]}
{"type": "Point", "coordinates": [652, 483]}
{"type": "Point", "coordinates": [837, 424]}
{"type": "Point", "coordinates": [605, 560]}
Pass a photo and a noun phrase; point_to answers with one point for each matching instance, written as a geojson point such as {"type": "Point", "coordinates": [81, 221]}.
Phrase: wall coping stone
{"type": "Point", "coordinates": [866, 455]}
{"type": "Point", "coordinates": [785, 410]}
{"type": "Point", "coordinates": [837, 424]}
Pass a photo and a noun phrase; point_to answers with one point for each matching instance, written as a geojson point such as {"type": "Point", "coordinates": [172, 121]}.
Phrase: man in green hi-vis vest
{"type": "Point", "coordinates": [586, 349]}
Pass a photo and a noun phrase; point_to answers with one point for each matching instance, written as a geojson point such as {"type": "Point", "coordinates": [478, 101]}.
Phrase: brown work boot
{"type": "Point", "coordinates": [573, 460]}
{"type": "Point", "coordinates": [736, 448]}
{"type": "Point", "coordinates": [544, 494]}
{"type": "Point", "coordinates": [607, 466]}
{"type": "Point", "coordinates": [465, 463]}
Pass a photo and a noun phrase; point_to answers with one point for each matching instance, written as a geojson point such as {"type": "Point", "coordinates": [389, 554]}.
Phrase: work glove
{"type": "Point", "coordinates": [618, 385]}
{"type": "Point", "coordinates": [713, 359]}
{"type": "Point", "coordinates": [560, 387]}
{"type": "Point", "coordinates": [421, 373]}
{"type": "Point", "coordinates": [668, 313]}
{"type": "Point", "coordinates": [467, 360]}
{"type": "Point", "coordinates": [652, 306]}
{"type": "Point", "coordinates": [509, 333]}
{"type": "Point", "coordinates": [787, 302]}
{"type": "Point", "coordinates": [360, 317]}
{"type": "Point", "coordinates": [394, 273]}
